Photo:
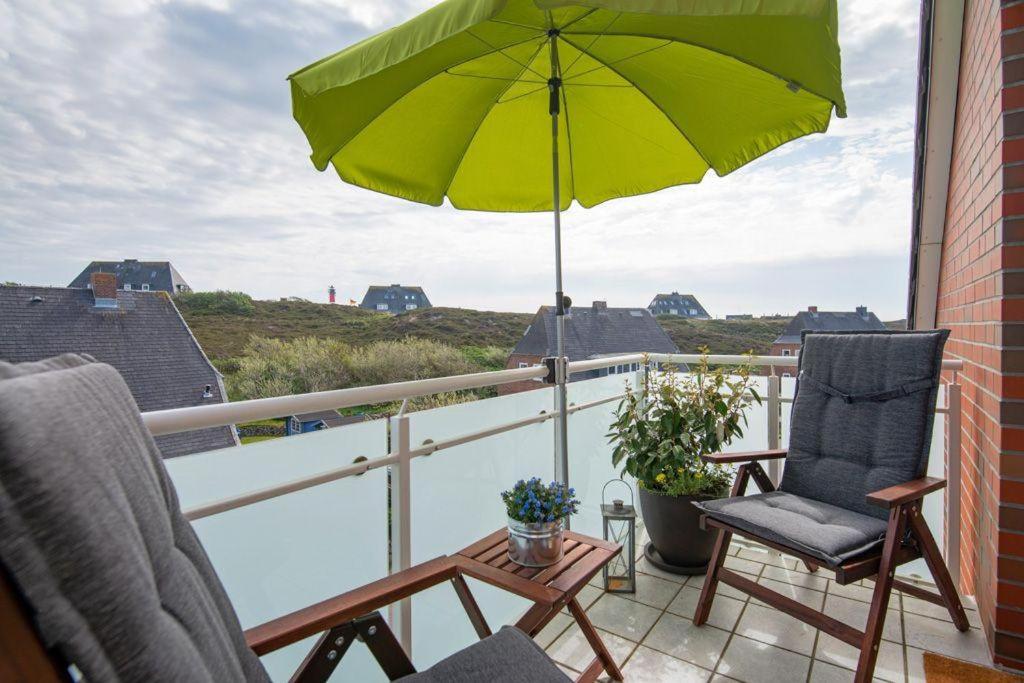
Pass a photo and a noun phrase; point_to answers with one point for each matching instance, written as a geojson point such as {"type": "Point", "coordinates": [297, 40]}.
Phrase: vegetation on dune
{"type": "Point", "coordinates": [276, 367]}
{"type": "Point", "coordinates": [724, 336]}
{"type": "Point", "coordinates": [217, 303]}
{"type": "Point", "coordinates": [224, 335]}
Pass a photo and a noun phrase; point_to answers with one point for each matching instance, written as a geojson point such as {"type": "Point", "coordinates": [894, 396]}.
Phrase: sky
{"type": "Point", "coordinates": [162, 130]}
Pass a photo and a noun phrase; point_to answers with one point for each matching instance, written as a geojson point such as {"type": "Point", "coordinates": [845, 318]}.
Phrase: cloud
{"type": "Point", "coordinates": [162, 129]}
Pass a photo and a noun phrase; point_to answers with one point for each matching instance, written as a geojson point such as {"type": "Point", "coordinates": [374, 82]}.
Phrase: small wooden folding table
{"type": "Point", "coordinates": [550, 588]}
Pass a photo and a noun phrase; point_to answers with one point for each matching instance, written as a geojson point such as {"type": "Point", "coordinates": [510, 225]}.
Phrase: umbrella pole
{"type": "Point", "coordinates": [561, 376]}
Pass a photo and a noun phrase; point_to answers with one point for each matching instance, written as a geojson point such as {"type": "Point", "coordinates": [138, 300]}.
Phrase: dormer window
{"type": "Point", "coordinates": [127, 287]}
{"type": "Point", "coordinates": [145, 287]}
{"type": "Point", "coordinates": [382, 307]}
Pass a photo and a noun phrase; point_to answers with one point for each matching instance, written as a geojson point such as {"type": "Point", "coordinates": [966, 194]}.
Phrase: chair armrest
{"type": "Point", "coordinates": [905, 492]}
{"type": "Point", "coordinates": [322, 616]}
{"type": "Point", "coordinates": [750, 456]}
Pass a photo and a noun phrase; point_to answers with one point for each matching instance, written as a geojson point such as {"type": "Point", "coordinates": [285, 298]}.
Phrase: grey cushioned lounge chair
{"type": "Point", "coordinates": [100, 570]}
{"type": "Point", "coordinates": [850, 496]}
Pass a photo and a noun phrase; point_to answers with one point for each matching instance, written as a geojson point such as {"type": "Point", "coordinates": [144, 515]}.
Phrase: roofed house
{"type": "Point", "coordinates": [788, 343]}
{"type": "Point", "coordinates": [137, 276]}
{"type": "Point", "coordinates": [140, 333]}
{"type": "Point", "coordinates": [394, 299]}
{"type": "Point", "coordinates": [682, 305]}
{"type": "Point", "coordinates": [590, 332]}
{"type": "Point", "coordinates": [301, 423]}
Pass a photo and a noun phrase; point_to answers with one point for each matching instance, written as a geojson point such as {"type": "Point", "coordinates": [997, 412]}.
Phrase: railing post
{"type": "Point", "coordinates": [953, 489]}
{"type": "Point", "coordinates": [774, 425]}
{"type": "Point", "coordinates": [400, 613]}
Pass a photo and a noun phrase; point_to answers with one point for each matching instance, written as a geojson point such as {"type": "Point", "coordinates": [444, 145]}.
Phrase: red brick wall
{"type": "Point", "coordinates": [980, 300]}
{"type": "Point", "coordinates": [515, 387]}
{"type": "Point", "coordinates": [777, 350]}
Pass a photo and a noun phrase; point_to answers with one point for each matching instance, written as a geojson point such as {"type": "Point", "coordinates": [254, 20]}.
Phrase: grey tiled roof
{"type": "Point", "coordinates": [145, 338]}
{"type": "Point", "coordinates": [663, 304]}
{"type": "Point", "coordinates": [395, 296]}
{"type": "Point", "coordinates": [159, 275]}
{"type": "Point", "coordinates": [828, 321]}
{"type": "Point", "coordinates": [592, 332]}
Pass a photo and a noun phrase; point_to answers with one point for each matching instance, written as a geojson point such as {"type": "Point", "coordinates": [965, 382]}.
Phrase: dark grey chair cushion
{"type": "Point", "coordinates": [93, 537]}
{"type": "Point", "coordinates": [508, 656]}
{"type": "Point", "coordinates": [829, 533]}
{"type": "Point", "coordinates": [840, 451]}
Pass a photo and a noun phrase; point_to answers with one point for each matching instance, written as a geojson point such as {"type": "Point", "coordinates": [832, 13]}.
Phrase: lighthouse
{"type": "Point", "coordinates": [331, 291]}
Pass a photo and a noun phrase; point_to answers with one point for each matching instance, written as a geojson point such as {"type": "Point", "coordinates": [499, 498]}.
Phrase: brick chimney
{"type": "Point", "coordinates": [104, 289]}
{"type": "Point", "coordinates": [862, 311]}
{"type": "Point", "coordinates": [600, 305]}
{"type": "Point", "coordinates": [813, 310]}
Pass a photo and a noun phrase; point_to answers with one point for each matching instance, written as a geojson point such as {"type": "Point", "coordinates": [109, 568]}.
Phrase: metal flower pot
{"type": "Point", "coordinates": [534, 544]}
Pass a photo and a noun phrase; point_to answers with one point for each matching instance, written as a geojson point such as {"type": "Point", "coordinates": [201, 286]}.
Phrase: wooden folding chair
{"type": "Point", "coordinates": [99, 569]}
{"type": "Point", "coordinates": [851, 494]}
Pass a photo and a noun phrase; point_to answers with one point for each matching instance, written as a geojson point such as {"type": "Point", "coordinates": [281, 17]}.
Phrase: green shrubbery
{"type": "Point", "coordinates": [219, 302]}
{"type": "Point", "coordinates": [486, 357]}
{"type": "Point", "coordinates": [273, 367]}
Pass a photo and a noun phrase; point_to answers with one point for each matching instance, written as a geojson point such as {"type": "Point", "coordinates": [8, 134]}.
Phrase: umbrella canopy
{"type": "Point", "coordinates": [651, 93]}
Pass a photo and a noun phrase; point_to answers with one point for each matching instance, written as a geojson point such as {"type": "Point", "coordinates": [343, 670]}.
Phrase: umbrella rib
{"type": "Point", "coordinates": [746, 62]}
{"type": "Point", "coordinates": [590, 44]}
{"type": "Point", "coordinates": [606, 65]}
{"type": "Point", "coordinates": [512, 23]}
{"type": "Point", "coordinates": [568, 136]}
{"type": "Point", "coordinates": [581, 17]}
{"type": "Point", "coordinates": [523, 94]}
{"type": "Point", "coordinates": [653, 104]}
{"type": "Point", "coordinates": [495, 78]}
{"type": "Point", "coordinates": [487, 112]}
{"type": "Point", "coordinates": [504, 54]}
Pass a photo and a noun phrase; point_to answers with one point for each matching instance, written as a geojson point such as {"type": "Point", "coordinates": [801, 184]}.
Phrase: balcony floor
{"type": "Point", "coordinates": [652, 637]}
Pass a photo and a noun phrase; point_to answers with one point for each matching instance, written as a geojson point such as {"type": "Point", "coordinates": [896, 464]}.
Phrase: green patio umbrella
{"type": "Point", "coordinates": [525, 105]}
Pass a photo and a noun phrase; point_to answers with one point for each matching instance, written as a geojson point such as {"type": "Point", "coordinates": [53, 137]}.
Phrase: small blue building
{"type": "Point", "coordinates": [312, 422]}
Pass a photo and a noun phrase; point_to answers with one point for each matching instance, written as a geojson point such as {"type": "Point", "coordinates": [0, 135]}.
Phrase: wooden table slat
{"type": "Point", "coordinates": [488, 541]}
{"type": "Point", "coordinates": [574, 577]}
{"type": "Point", "coordinates": [491, 553]}
{"type": "Point", "coordinates": [575, 555]}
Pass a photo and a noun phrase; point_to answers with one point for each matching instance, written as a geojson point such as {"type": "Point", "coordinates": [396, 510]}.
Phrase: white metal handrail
{"type": "Point", "coordinates": [176, 420]}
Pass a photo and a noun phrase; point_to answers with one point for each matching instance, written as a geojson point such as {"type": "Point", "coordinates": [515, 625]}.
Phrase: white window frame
{"type": "Point", "coordinates": [411, 307]}
{"type": "Point", "coordinates": [145, 287]}
{"type": "Point", "coordinates": [127, 287]}
{"type": "Point", "coordinates": [382, 307]}
{"type": "Point", "coordinates": [787, 352]}
{"type": "Point", "coordinates": [523, 365]}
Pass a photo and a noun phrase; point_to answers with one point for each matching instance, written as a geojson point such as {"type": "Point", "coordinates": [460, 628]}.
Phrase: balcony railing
{"type": "Point", "coordinates": [292, 521]}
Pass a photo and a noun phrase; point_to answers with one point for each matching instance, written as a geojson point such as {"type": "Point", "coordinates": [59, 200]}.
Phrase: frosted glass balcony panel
{"type": "Point", "coordinates": [456, 500]}
{"type": "Point", "coordinates": [298, 549]}
{"type": "Point", "coordinates": [590, 453]}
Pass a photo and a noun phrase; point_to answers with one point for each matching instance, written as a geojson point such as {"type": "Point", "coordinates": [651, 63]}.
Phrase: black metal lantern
{"type": "Point", "coordinates": [620, 527]}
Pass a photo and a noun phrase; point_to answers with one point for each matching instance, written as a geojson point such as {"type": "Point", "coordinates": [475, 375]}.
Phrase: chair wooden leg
{"type": "Point", "coordinates": [707, 591]}
{"type": "Point", "coordinates": [476, 617]}
{"type": "Point", "coordinates": [609, 665]}
{"type": "Point", "coordinates": [880, 598]}
{"type": "Point", "coordinates": [944, 582]}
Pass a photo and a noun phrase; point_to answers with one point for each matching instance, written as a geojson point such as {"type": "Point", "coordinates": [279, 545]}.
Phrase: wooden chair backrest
{"type": "Point", "coordinates": [22, 654]}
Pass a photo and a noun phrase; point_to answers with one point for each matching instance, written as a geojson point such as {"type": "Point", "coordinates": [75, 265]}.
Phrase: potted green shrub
{"type": "Point", "coordinates": [536, 512]}
{"type": "Point", "coordinates": [660, 432]}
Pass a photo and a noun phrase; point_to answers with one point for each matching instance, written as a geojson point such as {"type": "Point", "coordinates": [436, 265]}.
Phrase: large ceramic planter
{"type": "Point", "coordinates": [678, 544]}
{"type": "Point", "coordinates": [534, 544]}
